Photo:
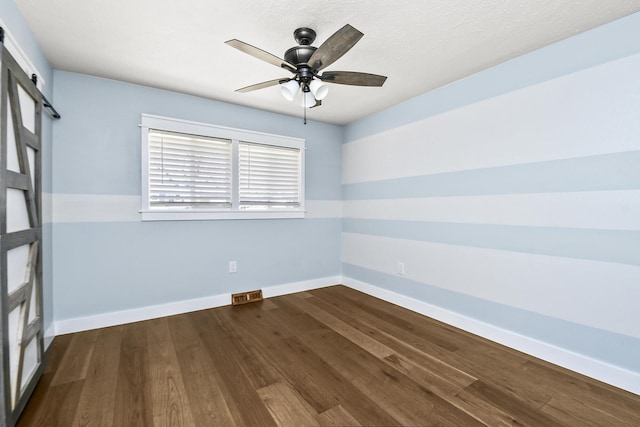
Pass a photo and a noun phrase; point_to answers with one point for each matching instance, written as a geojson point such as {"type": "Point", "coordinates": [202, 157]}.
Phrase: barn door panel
{"type": "Point", "coordinates": [22, 351]}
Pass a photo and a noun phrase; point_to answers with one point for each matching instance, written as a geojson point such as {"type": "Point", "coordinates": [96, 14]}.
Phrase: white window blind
{"type": "Point", "coordinates": [188, 171]}
{"type": "Point", "coordinates": [269, 176]}
{"type": "Point", "coordinates": [199, 171]}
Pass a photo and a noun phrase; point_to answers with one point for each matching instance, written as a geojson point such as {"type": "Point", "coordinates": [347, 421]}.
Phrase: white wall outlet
{"type": "Point", "coordinates": [401, 268]}
{"type": "Point", "coordinates": [233, 266]}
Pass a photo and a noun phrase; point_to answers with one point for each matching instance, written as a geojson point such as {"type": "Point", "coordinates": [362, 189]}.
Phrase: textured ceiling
{"type": "Point", "coordinates": [420, 45]}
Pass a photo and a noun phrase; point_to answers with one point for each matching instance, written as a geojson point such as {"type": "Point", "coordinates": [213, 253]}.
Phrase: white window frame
{"type": "Point", "coordinates": [149, 122]}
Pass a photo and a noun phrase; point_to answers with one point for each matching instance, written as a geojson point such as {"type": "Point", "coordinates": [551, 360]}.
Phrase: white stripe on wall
{"type": "Point", "coordinates": [77, 208]}
{"type": "Point", "coordinates": [47, 208]}
{"type": "Point", "coordinates": [95, 208]}
{"type": "Point", "coordinates": [566, 288]}
{"type": "Point", "coordinates": [610, 210]}
{"type": "Point", "coordinates": [549, 121]}
{"type": "Point", "coordinates": [323, 209]}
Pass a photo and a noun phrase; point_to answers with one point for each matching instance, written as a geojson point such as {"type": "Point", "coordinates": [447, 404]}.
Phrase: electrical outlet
{"type": "Point", "coordinates": [401, 268]}
{"type": "Point", "coordinates": [233, 266]}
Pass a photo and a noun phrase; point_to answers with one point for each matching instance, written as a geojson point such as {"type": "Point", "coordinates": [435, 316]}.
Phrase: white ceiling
{"type": "Point", "coordinates": [420, 45]}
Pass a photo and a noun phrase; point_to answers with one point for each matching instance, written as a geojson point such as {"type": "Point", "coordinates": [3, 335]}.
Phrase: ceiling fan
{"type": "Point", "coordinates": [306, 62]}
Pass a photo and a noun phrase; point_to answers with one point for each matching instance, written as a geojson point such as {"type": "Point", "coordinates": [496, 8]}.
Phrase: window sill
{"type": "Point", "coordinates": [219, 215]}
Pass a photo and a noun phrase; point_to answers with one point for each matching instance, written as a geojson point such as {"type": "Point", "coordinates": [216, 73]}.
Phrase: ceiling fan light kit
{"type": "Point", "coordinates": [307, 100]}
{"type": "Point", "coordinates": [318, 89]}
{"type": "Point", "coordinates": [306, 62]}
{"type": "Point", "coordinates": [289, 89]}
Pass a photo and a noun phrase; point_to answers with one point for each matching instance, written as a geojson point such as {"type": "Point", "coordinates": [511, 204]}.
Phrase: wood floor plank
{"type": "Point", "coordinates": [287, 408]}
{"type": "Point", "coordinates": [75, 363]}
{"type": "Point", "coordinates": [133, 398]}
{"type": "Point", "coordinates": [243, 400]}
{"type": "Point", "coordinates": [600, 399]}
{"type": "Point", "coordinates": [257, 370]}
{"type": "Point", "coordinates": [269, 339]}
{"type": "Point", "coordinates": [490, 366]}
{"type": "Point", "coordinates": [575, 411]}
{"type": "Point", "coordinates": [473, 406]}
{"type": "Point", "coordinates": [97, 401]}
{"type": "Point", "coordinates": [267, 305]}
{"type": "Point", "coordinates": [397, 316]}
{"type": "Point", "coordinates": [337, 416]}
{"type": "Point", "coordinates": [410, 346]}
{"type": "Point", "coordinates": [60, 408]}
{"type": "Point", "coordinates": [369, 313]}
{"type": "Point", "coordinates": [313, 378]}
{"type": "Point", "coordinates": [170, 405]}
{"type": "Point", "coordinates": [330, 356]}
{"type": "Point", "coordinates": [491, 361]}
{"type": "Point", "coordinates": [206, 398]}
{"type": "Point", "coordinates": [361, 339]}
{"type": "Point", "coordinates": [56, 352]}
{"type": "Point", "coordinates": [519, 409]}
{"type": "Point", "coordinates": [401, 397]}
{"type": "Point", "coordinates": [437, 332]}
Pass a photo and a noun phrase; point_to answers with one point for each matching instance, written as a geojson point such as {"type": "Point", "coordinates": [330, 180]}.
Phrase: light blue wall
{"type": "Point", "coordinates": [104, 115]}
{"type": "Point", "coordinates": [16, 25]}
{"type": "Point", "coordinates": [113, 264]}
{"type": "Point", "coordinates": [512, 196]}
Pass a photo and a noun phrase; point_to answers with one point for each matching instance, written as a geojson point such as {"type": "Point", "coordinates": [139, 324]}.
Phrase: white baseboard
{"type": "Point", "coordinates": [307, 285]}
{"type": "Point", "coordinates": [616, 376]}
{"type": "Point", "coordinates": [152, 312]}
{"type": "Point", "coordinates": [49, 335]}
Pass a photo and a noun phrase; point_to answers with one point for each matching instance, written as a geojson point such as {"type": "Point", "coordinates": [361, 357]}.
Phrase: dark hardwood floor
{"type": "Point", "coordinates": [331, 356]}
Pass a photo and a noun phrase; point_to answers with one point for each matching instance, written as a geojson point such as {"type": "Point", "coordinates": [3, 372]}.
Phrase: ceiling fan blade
{"type": "Point", "coordinates": [334, 47]}
{"type": "Point", "coordinates": [261, 54]}
{"type": "Point", "coordinates": [353, 78]}
{"type": "Point", "coordinates": [262, 85]}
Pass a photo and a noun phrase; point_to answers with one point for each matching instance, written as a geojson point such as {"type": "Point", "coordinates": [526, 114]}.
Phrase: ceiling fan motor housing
{"type": "Point", "coordinates": [299, 55]}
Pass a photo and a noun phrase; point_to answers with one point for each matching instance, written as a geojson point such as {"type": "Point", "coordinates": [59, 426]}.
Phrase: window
{"type": "Point", "coordinates": [269, 176]}
{"type": "Point", "coordinates": [188, 171]}
{"type": "Point", "coordinates": [200, 171]}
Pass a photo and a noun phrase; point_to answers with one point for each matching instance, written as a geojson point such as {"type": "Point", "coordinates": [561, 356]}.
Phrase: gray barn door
{"type": "Point", "coordinates": [22, 350]}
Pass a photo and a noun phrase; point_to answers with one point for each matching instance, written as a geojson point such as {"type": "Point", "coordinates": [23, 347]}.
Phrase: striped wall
{"type": "Point", "coordinates": [520, 210]}
{"type": "Point", "coordinates": [110, 267]}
